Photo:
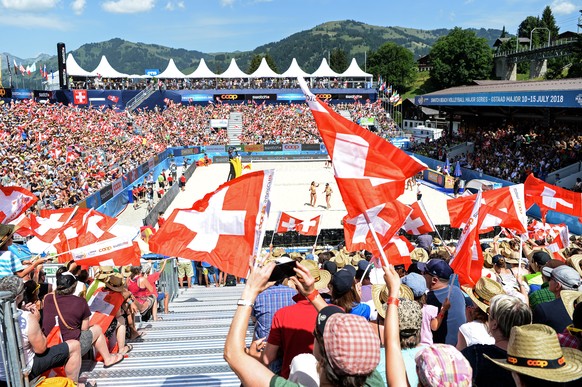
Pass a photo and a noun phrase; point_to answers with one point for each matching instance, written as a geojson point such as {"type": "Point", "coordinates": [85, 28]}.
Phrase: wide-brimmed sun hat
{"type": "Point", "coordinates": [534, 350]}
{"type": "Point", "coordinates": [6, 232]}
{"type": "Point", "coordinates": [575, 261]}
{"type": "Point", "coordinates": [570, 298]}
{"type": "Point", "coordinates": [322, 277]}
{"type": "Point", "coordinates": [419, 254]}
{"type": "Point", "coordinates": [115, 282]}
{"type": "Point", "coordinates": [485, 289]}
{"type": "Point", "coordinates": [380, 296]}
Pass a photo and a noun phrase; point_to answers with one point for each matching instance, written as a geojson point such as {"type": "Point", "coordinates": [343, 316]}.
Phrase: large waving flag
{"type": "Point", "coordinates": [224, 228]}
{"type": "Point", "coordinates": [418, 221]}
{"type": "Point", "coordinates": [368, 169]}
{"type": "Point", "coordinates": [386, 219]}
{"type": "Point", "coordinates": [13, 202]}
{"type": "Point", "coordinates": [550, 197]}
{"type": "Point", "coordinates": [304, 227]}
{"type": "Point", "coordinates": [398, 251]}
{"type": "Point", "coordinates": [115, 251]}
{"type": "Point", "coordinates": [503, 207]}
{"type": "Point", "coordinates": [468, 259]}
{"type": "Point", "coordinates": [49, 223]}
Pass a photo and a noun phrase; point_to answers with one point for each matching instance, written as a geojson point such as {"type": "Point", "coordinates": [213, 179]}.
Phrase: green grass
{"type": "Point", "coordinates": [418, 85]}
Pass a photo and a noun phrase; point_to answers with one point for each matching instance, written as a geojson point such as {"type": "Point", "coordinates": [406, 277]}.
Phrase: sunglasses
{"type": "Point", "coordinates": [574, 331]}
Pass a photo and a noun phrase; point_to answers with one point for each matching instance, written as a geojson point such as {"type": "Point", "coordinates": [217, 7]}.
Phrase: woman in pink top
{"type": "Point", "coordinates": [143, 292]}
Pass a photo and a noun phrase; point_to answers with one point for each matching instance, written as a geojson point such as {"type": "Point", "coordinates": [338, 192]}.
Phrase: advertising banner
{"type": "Point", "coordinates": [292, 147]}
{"type": "Point", "coordinates": [145, 168]}
{"type": "Point", "coordinates": [229, 97]}
{"type": "Point", "coordinates": [219, 123]}
{"type": "Point", "coordinates": [254, 148]}
{"type": "Point", "coordinates": [214, 148]}
{"type": "Point", "coordinates": [22, 94]}
{"type": "Point", "coordinates": [310, 147]}
{"type": "Point", "coordinates": [117, 186]}
{"type": "Point", "coordinates": [151, 164]}
{"type": "Point", "coordinates": [191, 151]}
{"type": "Point", "coordinates": [42, 95]}
{"type": "Point", "coordinates": [262, 97]}
{"type": "Point", "coordinates": [106, 193]}
{"type": "Point", "coordinates": [272, 147]}
{"type": "Point", "coordinates": [5, 93]}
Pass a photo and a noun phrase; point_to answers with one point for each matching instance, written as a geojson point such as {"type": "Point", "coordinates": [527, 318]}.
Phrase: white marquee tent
{"type": "Point", "coordinates": [294, 71]}
{"type": "Point", "coordinates": [264, 71]}
{"type": "Point", "coordinates": [233, 71]}
{"type": "Point", "coordinates": [105, 70]}
{"type": "Point", "coordinates": [354, 71]}
{"type": "Point", "coordinates": [324, 71]}
{"type": "Point", "coordinates": [73, 68]}
{"type": "Point", "coordinates": [202, 71]}
{"type": "Point", "coordinates": [171, 71]}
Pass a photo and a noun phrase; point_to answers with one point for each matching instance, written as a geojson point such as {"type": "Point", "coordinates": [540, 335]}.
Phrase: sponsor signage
{"type": "Point", "coordinates": [229, 97]}
{"type": "Point", "coordinates": [273, 147]}
{"type": "Point", "coordinates": [190, 151]}
{"type": "Point", "coordinates": [132, 176]}
{"type": "Point", "coordinates": [292, 147]}
{"type": "Point", "coordinates": [310, 147]}
{"type": "Point", "coordinates": [151, 163]}
{"type": "Point", "coordinates": [291, 97]}
{"type": "Point", "coordinates": [262, 97]}
{"type": "Point", "coordinates": [145, 168]}
{"type": "Point", "coordinates": [152, 72]}
{"type": "Point", "coordinates": [22, 94]}
{"type": "Point", "coordinates": [197, 98]}
{"type": "Point", "coordinates": [542, 98]}
{"type": "Point", "coordinates": [5, 93]}
{"type": "Point", "coordinates": [214, 148]}
{"type": "Point", "coordinates": [254, 148]}
{"type": "Point", "coordinates": [322, 148]}
{"type": "Point", "coordinates": [106, 193]}
{"type": "Point", "coordinates": [117, 186]}
{"type": "Point", "coordinates": [42, 95]}
{"type": "Point", "coordinates": [219, 123]}
{"type": "Point", "coordinates": [435, 177]}
{"type": "Point", "coordinates": [357, 96]}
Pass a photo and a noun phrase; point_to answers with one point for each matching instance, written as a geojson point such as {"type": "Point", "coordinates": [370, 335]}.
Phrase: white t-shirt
{"type": "Point", "coordinates": [475, 332]}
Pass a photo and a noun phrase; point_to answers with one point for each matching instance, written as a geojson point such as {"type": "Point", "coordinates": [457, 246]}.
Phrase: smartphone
{"type": "Point", "coordinates": [283, 269]}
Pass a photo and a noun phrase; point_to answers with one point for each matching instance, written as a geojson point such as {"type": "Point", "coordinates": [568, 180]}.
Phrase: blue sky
{"type": "Point", "coordinates": [31, 27]}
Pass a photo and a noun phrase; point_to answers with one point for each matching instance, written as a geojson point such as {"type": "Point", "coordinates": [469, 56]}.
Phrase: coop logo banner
{"type": "Point", "coordinates": [229, 97]}
{"type": "Point", "coordinates": [291, 147]}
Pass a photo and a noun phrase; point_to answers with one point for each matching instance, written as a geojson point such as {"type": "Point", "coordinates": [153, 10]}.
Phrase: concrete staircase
{"type": "Point", "coordinates": [234, 128]}
{"type": "Point", "coordinates": [134, 103]}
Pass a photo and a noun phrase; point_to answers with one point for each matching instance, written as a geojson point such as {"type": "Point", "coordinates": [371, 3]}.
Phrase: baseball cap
{"type": "Point", "coordinates": [65, 280]}
{"type": "Point", "coordinates": [323, 315]}
{"type": "Point", "coordinates": [541, 257]}
{"type": "Point", "coordinates": [416, 282]}
{"type": "Point", "coordinates": [330, 266]}
{"type": "Point", "coordinates": [351, 346]}
{"type": "Point", "coordinates": [362, 266]}
{"type": "Point", "coordinates": [409, 317]}
{"type": "Point", "coordinates": [443, 365]}
{"type": "Point", "coordinates": [343, 280]}
{"type": "Point", "coordinates": [565, 275]}
{"type": "Point", "coordinates": [437, 268]}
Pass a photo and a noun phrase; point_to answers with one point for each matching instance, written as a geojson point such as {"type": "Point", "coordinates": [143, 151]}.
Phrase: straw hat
{"type": "Point", "coordinates": [419, 254]}
{"type": "Point", "coordinates": [570, 298]}
{"type": "Point", "coordinates": [341, 260]}
{"type": "Point", "coordinates": [6, 231]}
{"type": "Point", "coordinates": [278, 251]}
{"type": "Point", "coordinates": [576, 262]}
{"type": "Point", "coordinates": [322, 277]}
{"type": "Point", "coordinates": [115, 282]}
{"type": "Point", "coordinates": [534, 350]}
{"type": "Point", "coordinates": [104, 272]}
{"type": "Point", "coordinates": [488, 258]}
{"type": "Point", "coordinates": [437, 242]}
{"type": "Point", "coordinates": [296, 256]}
{"type": "Point", "coordinates": [485, 289]}
{"type": "Point", "coordinates": [380, 296]}
{"type": "Point", "coordinates": [126, 271]}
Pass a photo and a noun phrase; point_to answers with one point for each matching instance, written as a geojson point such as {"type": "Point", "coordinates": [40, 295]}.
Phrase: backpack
{"type": "Point", "coordinates": [230, 280]}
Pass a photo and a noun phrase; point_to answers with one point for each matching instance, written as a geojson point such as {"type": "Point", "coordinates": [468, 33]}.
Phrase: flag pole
{"type": "Point", "coordinates": [430, 220]}
{"type": "Point", "coordinates": [317, 236]}
{"type": "Point", "coordinates": [275, 229]}
{"type": "Point", "coordinates": [375, 236]}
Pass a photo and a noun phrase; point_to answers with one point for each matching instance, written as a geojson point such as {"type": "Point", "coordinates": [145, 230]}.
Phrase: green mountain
{"type": "Point", "coordinates": [308, 47]}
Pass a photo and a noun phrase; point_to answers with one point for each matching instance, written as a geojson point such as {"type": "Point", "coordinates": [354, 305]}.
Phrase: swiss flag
{"type": "Point", "coordinates": [417, 222]}
{"type": "Point", "coordinates": [386, 219]}
{"type": "Point", "coordinates": [115, 251]}
{"type": "Point", "coordinates": [224, 228]}
{"type": "Point", "coordinates": [550, 197]}
{"type": "Point", "coordinates": [503, 207]}
{"type": "Point", "coordinates": [304, 227]}
{"type": "Point", "coordinates": [368, 169]}
{"type": "Point", "coordinates": [80, 97]}
{"type": "Point", "coordinates": [467, 262]}
{"type": "Point", "coordinates": [55, 153]}
{"type": "Point", "coordinates": [104, 305]}
{"type": "Point", "coordinates": [22, 225]}
{"type": "Point", "coordinates": [14, 201]}
{"type": "Point", "coordinates": [398, 251]}
{"type": "Point", "coordinates": [47, 226]}
{"type": "Point", "coordinates": [71, 156]}
{"type": "Point", "coordinates": [113, 98]}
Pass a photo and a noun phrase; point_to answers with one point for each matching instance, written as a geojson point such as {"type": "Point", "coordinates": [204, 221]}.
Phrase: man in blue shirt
{"type": "Point", "coordinates": [9, 263]}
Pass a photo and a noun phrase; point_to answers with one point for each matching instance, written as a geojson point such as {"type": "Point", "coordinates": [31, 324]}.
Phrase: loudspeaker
{"type": "Point", "coordinates": [62, 58]}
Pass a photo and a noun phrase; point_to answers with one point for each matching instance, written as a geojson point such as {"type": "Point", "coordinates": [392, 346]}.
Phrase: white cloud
{"type": "Point", "coordinates": [562, 7]}
{"type": "Point", "coordinates": [78, 6]}
{"type": "Point", "coordinates": [29, 5]}
{"type": "Point", "coordinates": [47, 22]}
{"type": "Point", "coordinates": [128, 6]}
{"type": "Point", "coordinates": [170, 6]}
{"type": "Point", "coordinates": [227, 3]}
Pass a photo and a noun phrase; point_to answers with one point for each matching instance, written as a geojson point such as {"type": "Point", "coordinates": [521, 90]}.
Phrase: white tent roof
{"type": "Point", "coordinates": [294, 71]}
{"type": "Point", "coordinates": [202, 71]}
{"type": "Point", "coordinates": [171, 71]}
{"type": "Point", "coordinates": [233, 71]}
{"type": "Point", "coordinates": [264, 71]}
{"type": "Point", "coordinates": [324, 71]}
{"type": "Point", "coordinates": [105, 70]}
{"type": "Point", "coordinates": [354, 71]}
{"type": "Point", "coordinates": [73, 69]}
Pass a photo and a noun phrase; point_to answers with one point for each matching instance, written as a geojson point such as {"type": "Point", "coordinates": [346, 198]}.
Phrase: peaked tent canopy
{"type": "Point", "coordinates": [294, 71]}
{"type": "Point", "coordinates": [264, 71]}
{"type": "Point", "coordinates": [202, 71]}
{"type": "Point", "coordinates": [233, 71]}
{"type": "Point", "coordinates": [73, 69]}
{"type": "Point", "coordinates": [324, 71]}
{"type": "Point", "coordinates": [354, 71]}
{"type": "Point", "coordinates": [105, 70]}
{"type": "Point", "coordinates": [171, 71]}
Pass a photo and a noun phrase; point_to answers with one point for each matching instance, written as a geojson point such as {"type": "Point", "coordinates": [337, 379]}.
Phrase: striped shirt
{"type": "Point", "coordinates": [9, 264]}
{"type": "Point", "coordinates": [267, 303]}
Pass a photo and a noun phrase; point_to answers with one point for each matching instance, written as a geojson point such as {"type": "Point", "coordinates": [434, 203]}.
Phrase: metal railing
{"type": "Point", "coordinates": [139, 98]}
{"type": "Point", "coordinates": [11, 339]}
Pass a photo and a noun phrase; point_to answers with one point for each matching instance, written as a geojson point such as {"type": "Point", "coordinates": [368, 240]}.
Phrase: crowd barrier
{"type": "Point", "coordinates": [11, 340]}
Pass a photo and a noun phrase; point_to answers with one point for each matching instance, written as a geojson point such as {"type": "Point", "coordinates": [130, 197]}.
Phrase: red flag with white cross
{"type": "Point", "coordinates": [224, 228]}
{"type": "Point", "coordinates": [417, 222]}
{"type": "Point", "coordinates": [304, 227]}
{"type": "Point", "coordinates": [550, 197]}
{"type": "Point", "coordinates": [368, 169]}
{"type": "Point", "coordinates": [13, 202]}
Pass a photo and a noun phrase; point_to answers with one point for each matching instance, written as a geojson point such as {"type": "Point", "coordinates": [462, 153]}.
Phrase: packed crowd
{"type": "Point", "coordinates": [325, 323]}
{"type": "Point", "coordinates": [63, 154]}
{"type": "Point", "coordinates": [512, 152]}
